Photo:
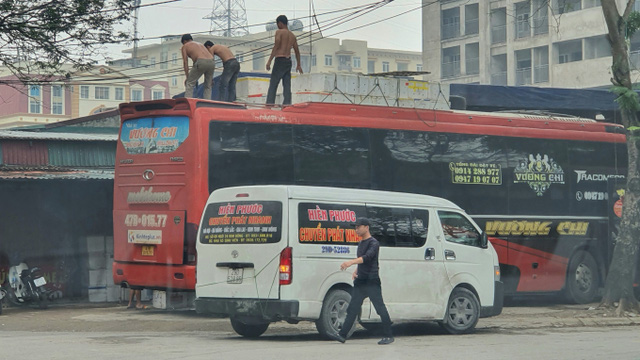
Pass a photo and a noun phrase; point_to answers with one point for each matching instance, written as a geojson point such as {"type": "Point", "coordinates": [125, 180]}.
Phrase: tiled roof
{"type": "Point", "coordinates": [30, 135]}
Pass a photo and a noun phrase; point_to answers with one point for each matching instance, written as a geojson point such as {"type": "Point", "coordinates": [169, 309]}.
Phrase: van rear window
{"type": "Point", "coordinates": [242, 222]}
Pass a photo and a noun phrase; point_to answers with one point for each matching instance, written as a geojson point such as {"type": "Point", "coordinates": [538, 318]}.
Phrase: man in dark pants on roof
{"type": "Point", "coordinates": [366, 283]}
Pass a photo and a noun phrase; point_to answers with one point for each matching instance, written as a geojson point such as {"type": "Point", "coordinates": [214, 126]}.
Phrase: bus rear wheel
{"type": "Point", "coordinates": [248, 329]}
{"type": "Point", "coordinates": [583, 278]}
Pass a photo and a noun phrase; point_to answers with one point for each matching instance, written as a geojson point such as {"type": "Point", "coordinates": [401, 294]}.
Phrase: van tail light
{"type": "Point", "coordinates": [286, 266]}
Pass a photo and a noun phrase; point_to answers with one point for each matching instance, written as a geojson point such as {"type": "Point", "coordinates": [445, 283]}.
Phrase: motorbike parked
{"type": "Point", "coordinates": [27, 286]}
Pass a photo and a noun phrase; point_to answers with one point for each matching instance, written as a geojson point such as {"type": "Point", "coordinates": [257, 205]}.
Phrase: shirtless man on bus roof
{"type": "Point", "coordinates": [284, 41]}
{"type": "Point", "coordinates": [203, 63]}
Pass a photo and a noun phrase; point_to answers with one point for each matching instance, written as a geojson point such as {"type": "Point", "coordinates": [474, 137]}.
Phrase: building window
{"type": "Point", "coordinates": [35, 99]}
{"type": "Point", "coordinates": [569, 51]}
{"type": "Point", "coordinates": [313, 60]}
{"type": "Point", "coordinates": [499, 69]}
{"type": "Point", "coordinates": [523, 67]}
{"type": "Point", "coordinates": [344, 62]}
{"type": "Point", "coordinates": [371, 66]}
{"type": "Point", "coordinates": [157, 94]}
{"type": "Point", "coordinates": [356, 62]}
{"type": "Point", "coordinates": [328, 60]}
{"type": "Point", "coordinates": [541, 64]}
{"type": "Point", "coordinates": [240, 57]}
{"type": "Point", "coordinates": [522, 19]}
{"type": "Point", "coordinates": [174, 58]}
{"type": "Point", "coordinates": [174, 80]}
{"type": "Point", "coordinates": [304, 63]}
{"type": "Point", "coordinates": [593, 3]}
{"type": "Point", "coordinates": [153, 61]}
{"type": "Point", "coordinates": [471, 19]}
{"type": "Point", "coordinates": [119, 93]}
{"type": "Point", "coordinates": [57, 100]}
{"type": "Point", "coordinates": [136, 95]}
{"type": "Point", "coordinates": [84, 92]}
{"type": "Point", "coordinates": [499, 26]}
{"type": "Point", "coordinates": [101, 92]}
{"type": "Point", "coordinates": [451, 62]}
{"type": "Point", "coordinates": [403, 66]}
{"type": "Point", "coordinates": [258, 62]}
{"type": "Point", "coordinates": [450, 26]}
{"type": "Point", "coordinates": [385, 66]}
{"type": "Point", "coordinates": [419, 67]}
{"type": "Point", "coordinates": [598, 47]}
{"type": "Point", "coordinates": [565, 6]}
{"type": "Point", "coordinates": [164, 60]}
{"type": "Point", "coordinates": [540, 15]}
{"type": "Point", "coordinates": [472, 58]}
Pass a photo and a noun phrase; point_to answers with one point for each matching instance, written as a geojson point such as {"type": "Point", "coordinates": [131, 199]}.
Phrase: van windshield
{"type": "Point", "coordinates": [242, 222]}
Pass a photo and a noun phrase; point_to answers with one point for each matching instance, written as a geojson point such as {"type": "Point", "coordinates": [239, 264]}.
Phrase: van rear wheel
{"type": "Point", "coordinates": [334, 312]}
{"type": "Point", "coordinates": [248, 329]}
{"type": "Point", "coordinates": [463, 311]}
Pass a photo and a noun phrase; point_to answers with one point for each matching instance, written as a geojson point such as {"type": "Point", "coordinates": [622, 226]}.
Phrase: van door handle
{"type": "Point", "coordinates": [449, 255]}
{"type": "Point", "coordinates": [430, 254]}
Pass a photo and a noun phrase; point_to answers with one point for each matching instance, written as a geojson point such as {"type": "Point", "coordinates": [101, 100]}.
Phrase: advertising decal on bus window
{"type": "Point", "coordinates": [328, 223]}
{"type": "Point", "coordinates": [242, 222]}
{"type": "Point", "coordinates": [154, 135]}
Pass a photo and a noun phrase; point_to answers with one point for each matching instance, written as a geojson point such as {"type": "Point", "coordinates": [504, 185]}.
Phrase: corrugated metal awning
{"type": "Point", "coordinates": [54, 173]}
{"type": "Point", "coordinates": [30, 135]}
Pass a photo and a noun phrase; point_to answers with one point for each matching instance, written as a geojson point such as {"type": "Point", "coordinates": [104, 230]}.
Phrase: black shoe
{"type": "Point", "coordinates": [336, 337]}
{"type": "Point", "coordinates": [386, 341]}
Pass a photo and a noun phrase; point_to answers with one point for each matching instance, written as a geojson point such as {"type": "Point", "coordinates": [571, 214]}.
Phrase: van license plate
{"type": "Point", "coordinates": [147, 250]}
{"type": "Point", "coordinates": [39, 281]}
{"type": "Point", "coordinates": [234, 276]}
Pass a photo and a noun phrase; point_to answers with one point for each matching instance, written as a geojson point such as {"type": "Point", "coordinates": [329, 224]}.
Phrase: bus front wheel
{"type": "Point", "coordinates": [583, 278]}
{"type": "Point", "coordinates": [248, 329]}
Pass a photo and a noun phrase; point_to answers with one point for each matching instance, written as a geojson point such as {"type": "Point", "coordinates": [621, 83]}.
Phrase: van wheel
{"type": "Point", "coordinates": [252, 330]}
{"type": "Point", "coordinates": [463, 311]}
{"type": "Point", "coordinates": [583, 278]}
{"type": "Point", "coordinates": [334, 312]}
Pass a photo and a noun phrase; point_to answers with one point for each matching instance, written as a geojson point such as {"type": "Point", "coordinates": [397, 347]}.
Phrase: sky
{"type": "Point", "coordinates": [388, 28]}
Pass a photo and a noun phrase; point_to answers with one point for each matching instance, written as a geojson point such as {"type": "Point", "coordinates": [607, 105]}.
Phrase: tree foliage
{"type": "Point", "coordinates": [42, 36]}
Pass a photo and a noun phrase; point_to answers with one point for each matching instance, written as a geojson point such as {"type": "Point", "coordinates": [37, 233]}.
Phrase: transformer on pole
{"type": "Point", "coordinates": [228, 18]}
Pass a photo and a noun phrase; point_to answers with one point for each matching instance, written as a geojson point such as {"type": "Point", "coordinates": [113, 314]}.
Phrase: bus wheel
{"type": "Point", "coordinates": [250, 330]}
{"type": "Point", "coordinates": [333, 313]}
{"type": "Point", "coordinates": [463, 311]}
{"type": "Point", "coordinates": [583, 278]}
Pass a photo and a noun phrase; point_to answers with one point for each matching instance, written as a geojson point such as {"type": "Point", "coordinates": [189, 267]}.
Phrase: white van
{"type": "Point", "coordinates": [271, 253]}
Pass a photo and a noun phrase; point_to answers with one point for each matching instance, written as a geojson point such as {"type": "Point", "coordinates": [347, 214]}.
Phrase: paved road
{"type": "Point", "coordinates": [81, 332]}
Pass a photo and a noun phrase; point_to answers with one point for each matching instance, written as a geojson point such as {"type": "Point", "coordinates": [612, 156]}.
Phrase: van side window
{"type": "Point", "coordinates": [458, 229]}
{"type": "Point", "coordinates": [395, 227]}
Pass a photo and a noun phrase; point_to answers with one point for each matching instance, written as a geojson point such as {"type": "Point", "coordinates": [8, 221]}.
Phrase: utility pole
{"type": "Point", "coordinates": [228, 18]}
{"type": "Point", "coordinates": [134, 54]}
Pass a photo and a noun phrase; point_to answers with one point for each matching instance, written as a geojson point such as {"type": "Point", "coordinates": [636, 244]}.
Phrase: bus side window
{"type": "Point", "coordinates": [458, 229]}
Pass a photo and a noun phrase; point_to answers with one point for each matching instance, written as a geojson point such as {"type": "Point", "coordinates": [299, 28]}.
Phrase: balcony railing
{"type": "Point", "coordinates": [523, 76]}
{"type": "Point", "coordinates": [450, 31]}
{"type": "Point", "coordinates": [499, 78]}
{"type": "Point", "coordinates": [541, 73]}
{"type": "Point", "coordinates": [471, 26]}
{"type": "Point", "coordinates": [344, 67]}
{"type": "Point", "coordinates": [499, 34]}
{"type": "Point", "coordinates": [472, 66]}
{"type": "Point", "coordinates": [450, 69]}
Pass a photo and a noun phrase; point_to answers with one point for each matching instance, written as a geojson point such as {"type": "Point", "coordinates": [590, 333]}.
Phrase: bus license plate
{"type": "Point", "coordinates": [234, 276]}
{"type": "Point", "coordinates": [147, 250]}
{"type": "Point", "coordinates": [39, 281]}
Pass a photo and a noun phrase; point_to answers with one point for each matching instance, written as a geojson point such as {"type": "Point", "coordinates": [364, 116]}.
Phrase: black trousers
{"type": "Point", "coordinates": [281, 70]}
{"type": "Point", "coordinates": [362, 289]}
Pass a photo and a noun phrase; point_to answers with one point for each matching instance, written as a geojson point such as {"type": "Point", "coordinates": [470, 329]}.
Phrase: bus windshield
{"type": "Point", "coordinates": [154, 135]}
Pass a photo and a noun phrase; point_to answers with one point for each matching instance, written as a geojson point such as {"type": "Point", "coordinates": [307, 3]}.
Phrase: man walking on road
{"type": "Point", "coordinates": [284, 41]}
{"type": "Point", "coordinates": [231, 68]}
{"type": "Point", "coordinates": [202, 64]}
{"type": "Point", "coordinates": [366, 283]}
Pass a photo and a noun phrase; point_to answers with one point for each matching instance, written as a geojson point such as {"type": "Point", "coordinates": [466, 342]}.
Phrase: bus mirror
{"type": "Point", "coordinates": [484, 240]}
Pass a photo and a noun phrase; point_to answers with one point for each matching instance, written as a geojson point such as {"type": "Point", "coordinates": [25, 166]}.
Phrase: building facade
{"type": "Point", "coordinates": [85, 93]}
{"type": "Point", "coordinates": [548, 43]}
{"type": "Point", "coordinates": [317, 55]}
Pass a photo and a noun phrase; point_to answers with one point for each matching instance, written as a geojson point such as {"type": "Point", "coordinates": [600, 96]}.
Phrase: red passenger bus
{"type": "Point", "coordinates": [538, 186]}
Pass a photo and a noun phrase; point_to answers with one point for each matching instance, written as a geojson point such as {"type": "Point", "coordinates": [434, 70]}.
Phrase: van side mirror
{"type": "Point", "coordinates": [484, 240]}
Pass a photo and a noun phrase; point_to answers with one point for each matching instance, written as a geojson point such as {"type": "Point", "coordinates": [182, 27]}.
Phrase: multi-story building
{"type": "Point", "coordinates": [317, 55]}
{"type": "Point", "coordinates": [85, 93]}
{"type": "Point", "coordinates": [549, 43]}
